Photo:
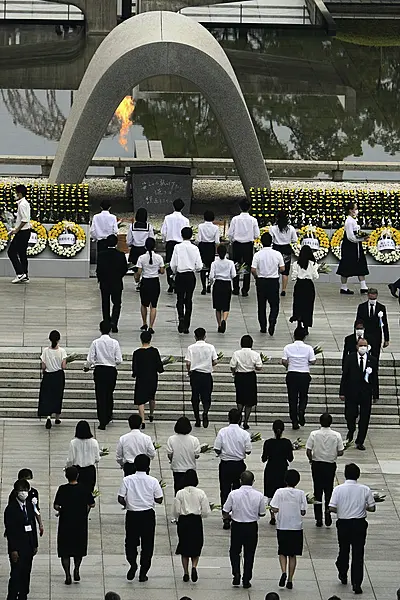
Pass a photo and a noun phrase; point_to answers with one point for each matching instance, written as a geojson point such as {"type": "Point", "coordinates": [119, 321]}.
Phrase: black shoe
{"type": "Point", "coordinates": [282, 580]}
{"type": "Point", "coordinates": [302, 420]}
{"type": "Point", "coordinates": [170, 290]}
{"type": "Point", "coordinates": [68, 580]}
{"type": "Point", "coordinates": [295, 426]}
{"type": "Point", "coordinates": [363, 291]}
{"type": "Point", "coordinates": [246, 426]}
{"type": "Point", "coordinates": [114, 329]}
{"type": "Point", "coordinates": [180, 327]}
{"type": "Point", "coordinates": [227, 525]}
{"type": "Point", "coordinates": [102, 427]}
{"type": "Point", "coordinates": [223, 326]}
{"type": "Point", "coordinates": [392, 290]}
{"type": "Point", "coordinates": [143, 578]}
{"type": "Point", "coordinates": [57, 422]}
{"type": "Point", "coordinates": [289, 585]}
{"type": "Point", "coordinates": [246, 585]}
{"type": "Point", "coordinates": [151, 418]}
{"type": "Point", "coordinates": [343, 579]}
{"type": "Point", "coordinates": [194, 575]}
{"type": "Point", "coordinates": [245, 294]}
{"type": "Point", "coordinates": [143, 327]}
{"type": "Point", "coordinates": [318, 523]}
{"type": "Point", "coordinates": [235, 292]}
{"type": "Point", "coordinates": [185, 577]}
{"type": "Point", "coordinates": [209, 289]}
{"type": "Point", "coordinates": [219, 329]}
{"type": "Point", "coordinates": [283, 293]}
{"type": "Point", "coordinates": [357, 589]}
{"type": "Point", "coordinates": [186, 330]}
{"type": "Point", "coordinates": [347, 292]}
{"type": "Point", "coordinates": [48, 423]}
{"type": "Point", "coordinates": [77, 576]}
{"type": "Point", "coordinates": [203, 292]}
{"type": "Point", "coordinates": [271, 329]}
{"type": "Point", "coordinates": [272, 521]}
{"type": "Point", "coordinates": [263, 331]}
{"type": "Point", "coordinates": [360, 446]}
{"type": "Point", "coordinates": [197, 424]}
{"type": "Point", "coordinates": [143, 426]}
{"type": "Point", "coordinates": [205, 421]}
{"type": "Point", "coordinates": [151, 330]}
{"type": "Point", "coordinates": [328, 519]}
{"type": "Point", "coordinates": [236, 580]}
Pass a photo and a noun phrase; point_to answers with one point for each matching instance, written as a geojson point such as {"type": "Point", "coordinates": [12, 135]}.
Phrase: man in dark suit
{"type": "Point", "coordinates": [358, 387]}
{"type": "Point", "coordinates": [350, 341]}
{"type": "Point", "coordinates": [373, 314]}
{"type": "Point", "coordinates": [21, 534]}
{"type": "Point", "coordinates": [111, 269]}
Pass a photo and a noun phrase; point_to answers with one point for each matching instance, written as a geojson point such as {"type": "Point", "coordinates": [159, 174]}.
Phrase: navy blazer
{"type": "Point", "coordinates": [18, 539]}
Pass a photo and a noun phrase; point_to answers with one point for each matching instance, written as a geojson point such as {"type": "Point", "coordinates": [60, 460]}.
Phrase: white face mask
{"type": "Point", "coordinates": [373, 302]}
{"type": "Point", "coordinates": [360, 333]}
{"type": "Point", "coordinates": [22, 496]}
{"type": "Point", "coordinates": [362, 350]}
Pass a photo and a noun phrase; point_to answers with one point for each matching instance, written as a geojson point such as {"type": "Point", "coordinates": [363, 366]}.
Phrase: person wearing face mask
{"type": "Point", "coordinates": [22, 539]}
{"type": "Point", "coordinates": [358, 387]}
{"type": "Point", "coordinates": [353, 262]}
{"type": "Point", "coordinates": [350, 341]}
{"type": "Point", "coordinates": [373, 314]}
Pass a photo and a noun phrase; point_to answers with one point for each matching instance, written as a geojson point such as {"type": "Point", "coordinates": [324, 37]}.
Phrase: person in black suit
{"type": "Point", "coordinates": [358, 387]}
{"type": "Point", "coordinates": [350, 341]}
{"type": "Point", "coordinates": [22, 539]}
{"type": "Point", "coordinates": [111, 270]}
{"type": "Point", "coordinates": [373, 314]}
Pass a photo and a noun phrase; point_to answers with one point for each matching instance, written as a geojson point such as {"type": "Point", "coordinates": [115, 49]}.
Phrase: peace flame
{"type": "Point", "coordinates": [124, 113]}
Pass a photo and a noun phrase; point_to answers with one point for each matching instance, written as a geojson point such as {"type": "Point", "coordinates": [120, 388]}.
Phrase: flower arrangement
{"type": "Point", "coordinates": [298, 444]}
{"type": "Point", "coordinates": [257, 242]}
{"type": "Point", "coordinates": [3, 236]}
{"type": "Point", "coordinates": [61, 228]}
{"type": "Point", "coordinates": [336, 243]}
{"type": "Point", "coordinates": [105, 451]}
{"type": "Point", "coordinates": [205, 448]}
{"type": "Point", "coordinates": [256, 437]}
{"type": "Point", "coordinates": [156, 446]}
{"type": "Point", "coordinates": [384, 244]}
{"type": "Point", "coordinates": [316, 238]}
{"type": "Point", "coordinates": [38, 239]}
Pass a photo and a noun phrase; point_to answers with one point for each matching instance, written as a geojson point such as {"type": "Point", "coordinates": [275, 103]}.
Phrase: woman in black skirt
{"type": "Point", "coordinates": [207, 238]}
{"type": "Point", "coordinates": [191, 505]}
{"type": "Point", "coordinates": [73, 502]}
{"type": "Point", "coordinates": [146, 365]}
{"type": "Point", "coordinates": [84, 453]}
{"type": "Point", "coordinates": [290, 505]}
{"type": "Point", "coordinates": [137, 235]}
{"type": "Point", "coordinates": [150, 265]}
{"type": "Point", "coordinates": [353, 261]}
{"type": "Point", "coordinates": [304, 273]}
{"type": "Point", "coordinates": [283, 235]}
{"type": "Point", "coordinates": [244, 364]}
{"type": "Point", "coordinates": [54, 361]}
{"type": "Point", "coordinates": [222, 273]}
{"type": "Point", "coordinates": [277, 453]}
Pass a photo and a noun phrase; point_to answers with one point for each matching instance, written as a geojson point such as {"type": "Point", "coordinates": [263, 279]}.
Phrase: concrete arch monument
{"type": "Point", "coordinates": [148, 45]}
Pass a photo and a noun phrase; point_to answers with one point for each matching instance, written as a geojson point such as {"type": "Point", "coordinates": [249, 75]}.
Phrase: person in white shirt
{"type": "Point", "coordinates": [200, 359]}
{"type": "Point", "coordinates": [222, 273]}
{"type": "Point", "coordinates": [244, 364]}
{"type": "Point", "coordinates": [103, 225]}
{"type": "Point", "coordinates": [297, 358]}
{"type": "Point", "coordinates": [104, 355]}
{"type": "Point", "coordinates": [283, 235]}
{"type": "Point", "coordinates": [191, 505]}
{"type": "Point", "coordinates": [54, 361]}
{"type": "Point", "coordinates": [22, 233]}
{"type": "Point", "coordinates": [139, 231]}
{"type": "Point", "coordinates": [150, 265]}
{"type": "Point", "coordinates": [266, 266]}
{"type": "Point", "coordinates": [207, 239]}
{"type": "Point", "coordinates": [305, 272]}
{"type": "Point", "coordinates": [131, 444]}
{"type": "Point", "coordinates": [242, 232]}
{"type": "Point", "coordinates": [232, 444]}
{"type": "Point", "coordinates": [244, 507]}
{"type": "Point", "coordinates": [183, 450]}
{"type": "Point", "coordinates": [353, 261]}
{"type": "Point", "coordinates": [290, 505]}
{"type": "Point", "coordinates": [84, 453]}
{"type": "Point", "coordinates": [185, 261]}
{"type": "Point", "coordinates": [351, 501]}
{"type": "Point", "coordinates": [138, 494]}
{"type": "Point", "coordinates": [323, 448]}
{"type": "Point", "coordinates": [171, 232]}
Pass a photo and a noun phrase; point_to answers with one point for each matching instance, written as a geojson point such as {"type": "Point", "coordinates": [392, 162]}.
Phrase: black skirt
{"type": "Point", "coordinates": [353, 262]}
{"type": "Point", "coordinates": [286, 251]}
{"type": "Point", "coordinates": [135, 252]}
{"type": "Point", "coordinates": [145, 390]}
{"type": "Point", "coordinates": [221, 295]}
{"type": "Point", "coordinates": [246, 388]}
{"type": "Point", "coordinates": [303, 302]}
{"type": "Point", "coordinates": [51, 393]}
{"type": "Point", "coordinates": [290, 542]}
{"type": "Point", "coordinates": [150, 291]}
{"type": "Point", "coordinates": [207, 253]}
{"type": "Point", "coordinates": [87, 476]}
{"type": "Point", "coordinates": [190, 536]}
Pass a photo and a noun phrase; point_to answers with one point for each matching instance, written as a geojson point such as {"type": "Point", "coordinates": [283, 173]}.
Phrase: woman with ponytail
{"type": "Point", "coordinates": [149, 265]}
{"type": "Point", "coordinates": [277, 453]}
{"type": "Point", "coordinates": [54, 360]}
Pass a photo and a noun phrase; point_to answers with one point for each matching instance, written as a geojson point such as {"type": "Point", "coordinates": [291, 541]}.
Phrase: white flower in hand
{"type": "Point", "coordinates": [368, 372]}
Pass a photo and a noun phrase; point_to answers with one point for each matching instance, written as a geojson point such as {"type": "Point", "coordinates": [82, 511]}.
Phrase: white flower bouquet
{"type": "Point", "coordinates": [168, 360]}
{"type": "Point", "coordinates": [298, 444]}
{"type": "Point", "coordinates": [96, 493]}
{"type": "Point", "coordinates": [162, 484]}
{"type": "Point", "coordinates": [311, 499]}
{"type": "Point", "coordinates": [71, 358]}
{"type": "Point", "coordinates": [367, 373]}
{"type": "Point", "coordinates": [256, 437]}
{"type": "Point", "coordinates": [215, 506]}
{"type": "Point", "coordinates": [157, 446]}
{"type": "Point", "coordinates": [204, 448]}
{"type": "Point", "coordinates": [105, 451]}
{"type": "Point", "coordinates": [378, 497]}
{"type": "Point", "coordinates": [220, 355]}
{"type": "Point", "coordinates": [318, 349]}
{"type": "Point", "coordinates": [264, 358]}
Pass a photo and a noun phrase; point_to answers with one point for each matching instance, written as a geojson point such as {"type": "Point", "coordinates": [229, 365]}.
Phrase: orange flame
{"type": "Point", "coordinates": [124, 113]}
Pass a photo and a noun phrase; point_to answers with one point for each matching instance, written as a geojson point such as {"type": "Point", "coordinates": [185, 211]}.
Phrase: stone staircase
{"type": "Point", "coordinates": [20, 381]}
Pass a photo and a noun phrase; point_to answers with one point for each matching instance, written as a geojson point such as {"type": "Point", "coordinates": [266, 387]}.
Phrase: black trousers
{"type": "Point", "coordinates": [169, 250]}
{"type": "Point", "coordinates": [323, 475]}
{"type": "Point", "coordinates": [102, 245]}
{"type": "Point", "coordinates": [20, 576]}
{"type": "Point", "coordinates": [140, 529]}
{"type": "Point", "coordinates": [361, 406]}
{"type": "Point", "coordinates": [243, 535]}
{"type": "Point", "coordinates": [17, 251]}
{"type": "Point", "coordinates": [87, 477]}
{"type": "Point", "coordinates": [267, 291]}
{"type": "Point", "coordinates": [202, 387]}
{"type": "Point", "coordinates": [229, 477]}
{"type": "Point", "coordinates": [184, 285]}
{"type": "Point", "coordinates": [242, 254]}
{"type": "Point", "coordinates": [179, 477]}
{"type": "Point", "coordinates": [105, 379]}
{"type": "Point", "coordinates": [114, 295]}
{"type": "Point", "coordinates": [297, 384]}
{"type": "Point", "coordinates": [352, 534]}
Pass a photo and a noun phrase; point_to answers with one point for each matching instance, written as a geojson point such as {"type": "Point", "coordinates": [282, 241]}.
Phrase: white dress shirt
{"type": "Point", "coordinates": [105, 351]}
{"type": "Point", "coordinates": [325, 443]}
{"type": "Point", "coordinates": [201, 356]}
{"type": "Point", "coordinates": [283, 238]}
{"type": "Point", "coordinates": [267, 262]}
{"type": "Point", "coordinates": [186, 258]}
{"type": "Point", "coordinates": [172, 226]}
{"type": "Point", "coordinates": [233, 443]}
{"type": "Point", "coordinates": [223, 269]}
{"type": "Point", "coordinates": [150, 271]}
{"type": "Point", "coordinates": [184, 449]}
{"type": "Point", "coordinates": [131, 444]}
{"type": "Point", "coordinates": [299, 355]}
{"type": "Point", "coordinates": [191, 501]}
{"type": "Point", "coordinates": [243, 228]}
{"type": "Point", "coordinates": [246, 504]}
{"type": "Point", "coordinates": [310, 273]}
{"type": "Point", "coordinates": [137, 236]}
{"type": "Point", "coordinates": [245, 360]}
{"type": "Point", "coordinates": [53, 359]}
{"type": "Point", "coordinates": [140, 491]}
{"type": "Point", "coordinates": [351, 227]}
{"type": "Point", "coordinates": [351, 499]}
{"type": "Point", "coordinates": [208, 232]}
{"type": "Point", "coordinates": [289, 502]}
{"type": "Point", "coordinates": [103, 225]}
{"type": "Point", "coordinates": [23, 214]}
{"type": "Point", "coordinates": [83, 453]}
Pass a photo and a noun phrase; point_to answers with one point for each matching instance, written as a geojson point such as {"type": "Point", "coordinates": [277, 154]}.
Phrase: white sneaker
{"type": "Point", "coordinates": [19, 279]}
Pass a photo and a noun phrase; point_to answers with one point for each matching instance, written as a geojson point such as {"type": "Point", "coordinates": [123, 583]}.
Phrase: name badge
{"type": "Point", "coordinates": [28, 528]}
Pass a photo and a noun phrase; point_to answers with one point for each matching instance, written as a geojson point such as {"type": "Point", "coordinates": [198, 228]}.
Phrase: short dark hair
{"type": "Point", "coordinates": [21, 189]}
{"type": "Point", "coordinates": [200, 333]}
{"type": "Point", "coordinates": [112, 596]}
{"type": "Point", "coordinates": [352, 471]}
{"type": "Point", "coordinates": [82, 430]}
{"type": "Point", "coordinates": [190, 478]}
{"type": "Point", "coordinates": [272, 596]}
{"type": "Point", "coordinates": [325, 420]}
{"type": "Point", "coordinates": [105, 327]}
{"type": "Point", "coordinates": [244, 205]}
{"type": "Point", "coordinates": [209, 215]}
{"type": "Point", "coordinates": [22, 485]}
{"type": "Point", "coordinates": [234, 416]}
{"type": "Point", "coordinates": [222, 250]}
{"type": "Point", "coordinates": [112, 240]}
{"type": "Point", "coordinates": [358, 322]}
{"type": "Point", "coordinates": [247, 478]}
{"type": "Point", "coordinates": [105, 204]}
{"type": "Point", "coordinates": [266, 239]}
{"type": "Point", "coordinates": [372, 291]}
{"type": "Point", "coordinates": [178, 204]}
{"type": "Point", "coordinates": [135, 421]}
{"type": "Point", "coordinates": [142, 463]}
{"type": "Point", "coordinates": [246, 341]}
{"type": "Point", "coordinates": [71, 473]}
{"type": "Point", "coordinates": [187, 233]}
{"type": "Point", "coordinates": [292, 477]}
{"type": "Point", "coordinates": [183, 426]}
{"type": "Point", "coordinates": [25, 474]}
{"type": "Point", "coordinates": [350, 206]}
{"type": "Point", "coordinates": [54, 337]}
{"type": "Point", "coordinates": [145, 337]}
{"type": "Point", "coordinates": [299, 333]}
